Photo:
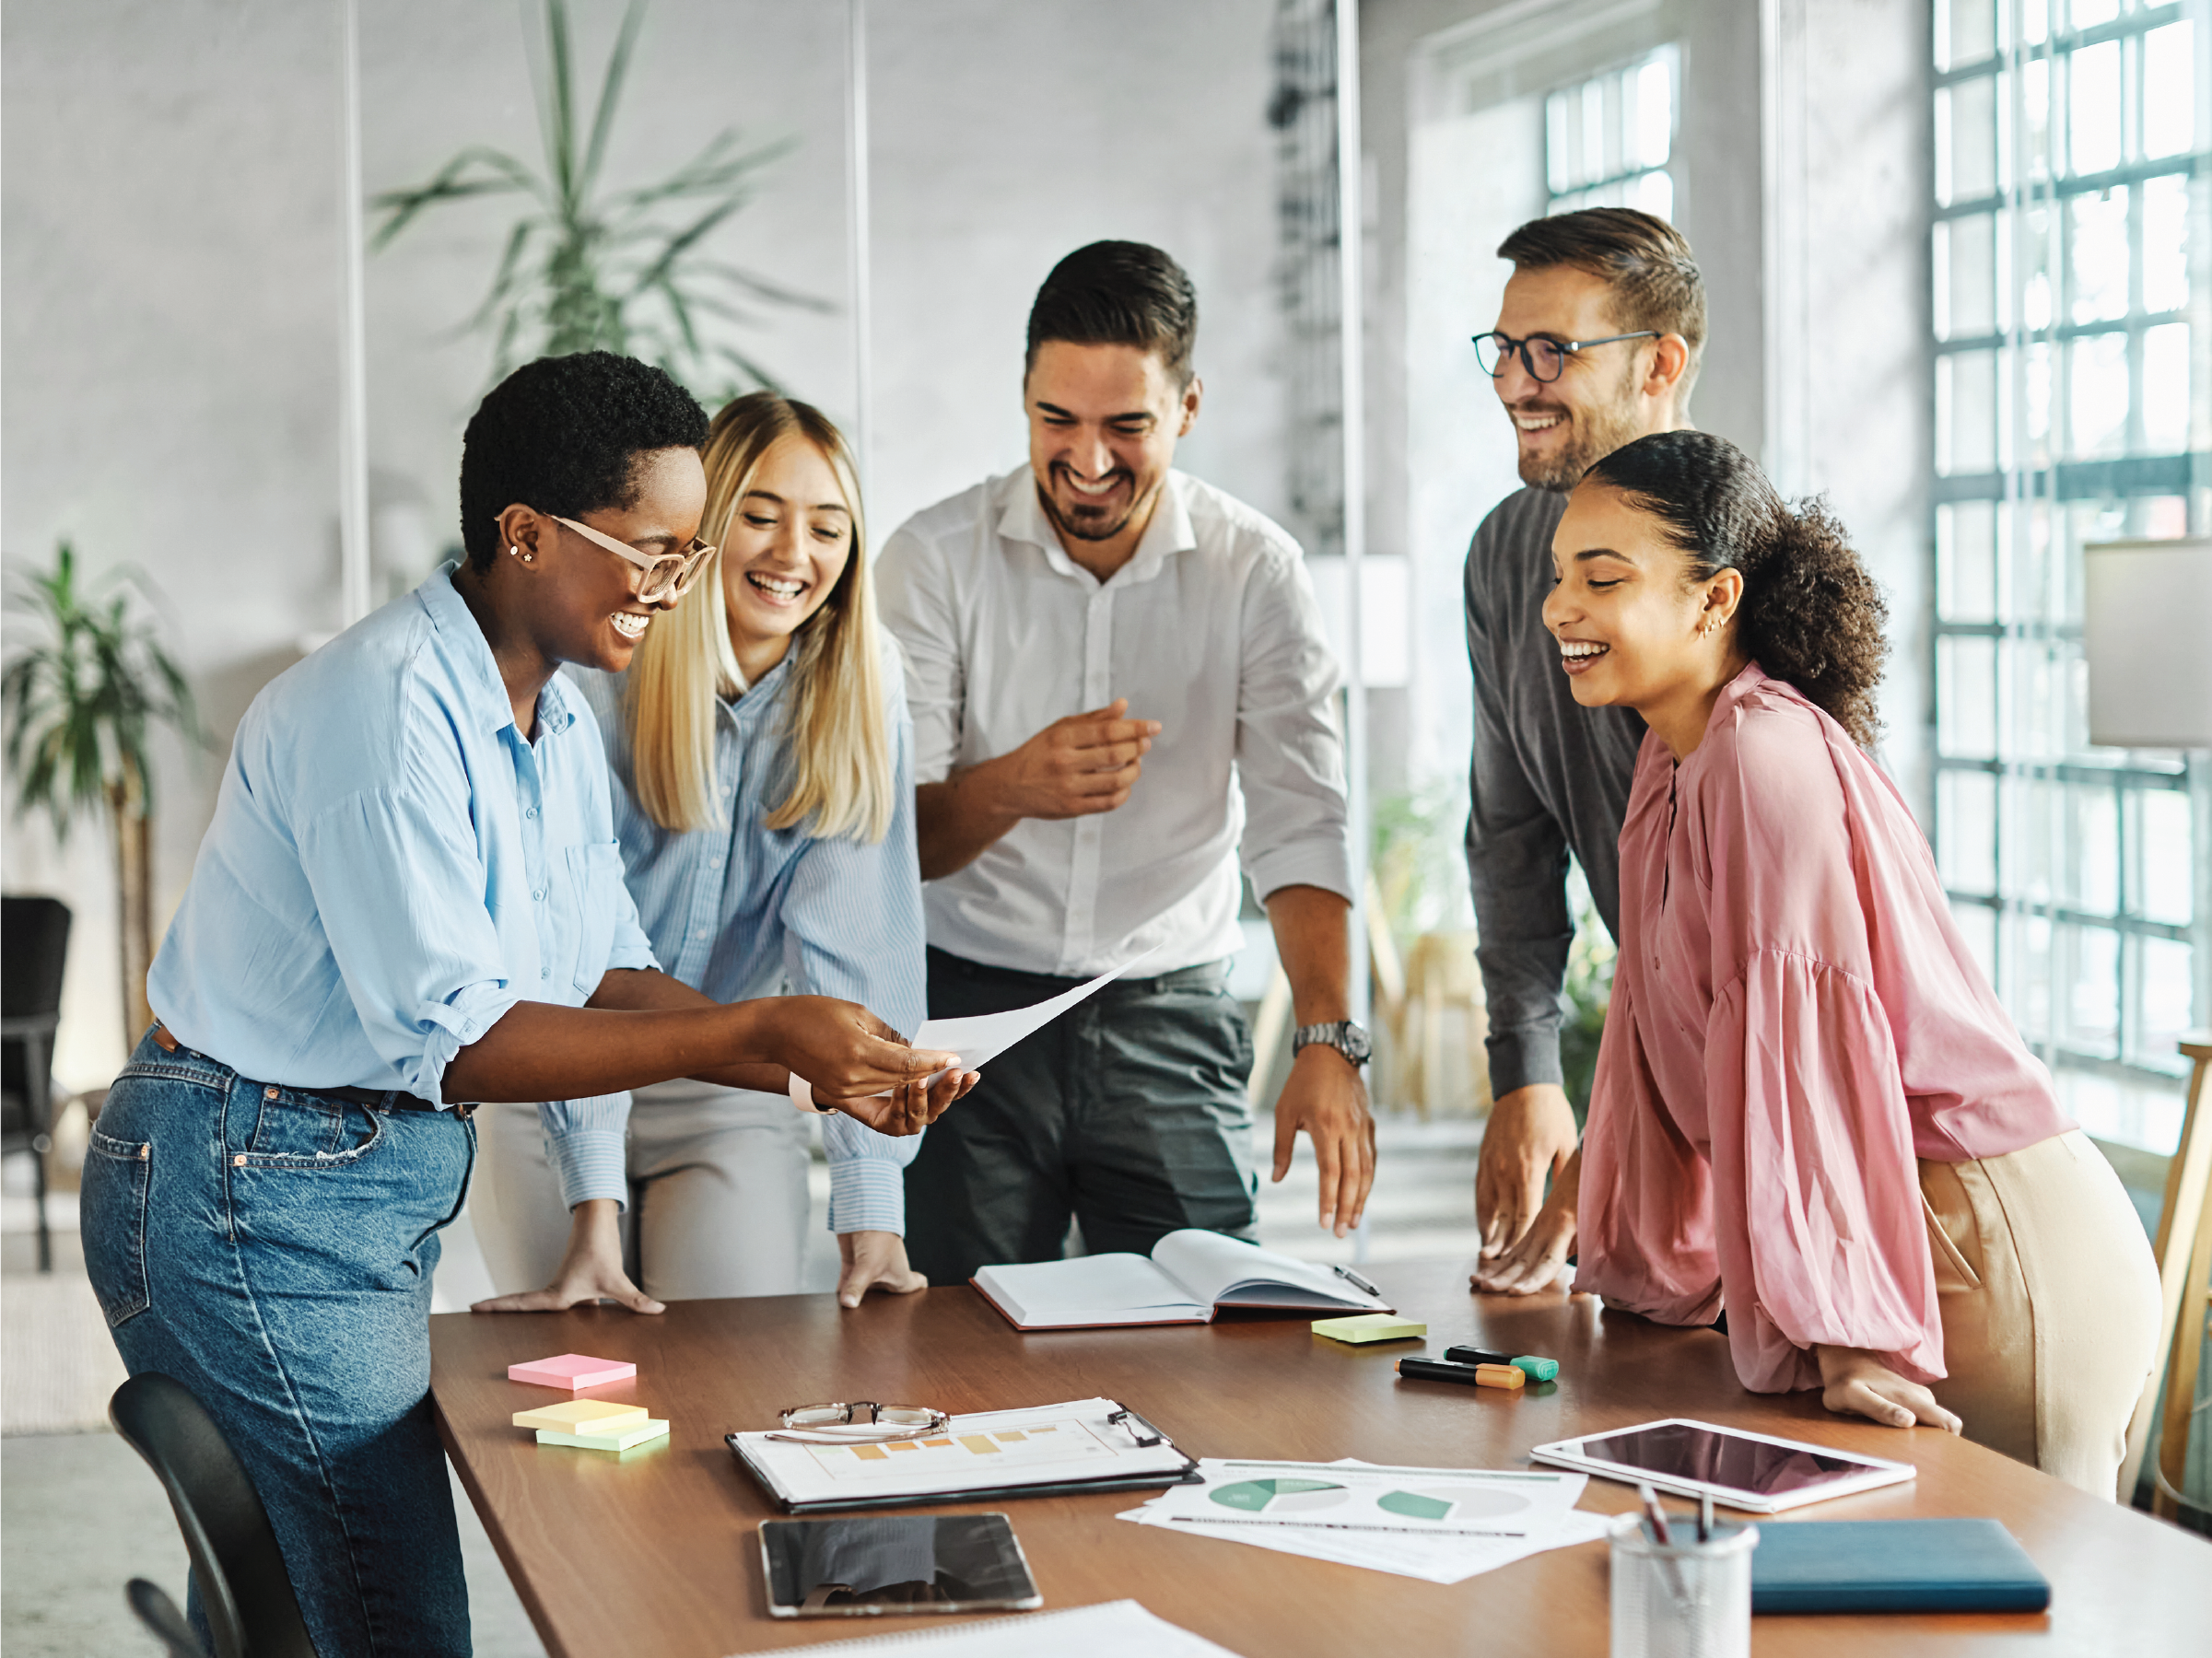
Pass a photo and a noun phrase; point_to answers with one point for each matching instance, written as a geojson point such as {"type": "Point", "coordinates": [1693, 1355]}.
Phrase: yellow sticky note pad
{"type": "Point", "coordinates": [570, 1416]}
{"type": "Point", "coordinates": [1370, 1326]}
{"type": "Point", "coordinates": [619, 1438]}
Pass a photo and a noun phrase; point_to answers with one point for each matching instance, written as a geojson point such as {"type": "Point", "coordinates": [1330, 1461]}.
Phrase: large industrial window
{"type": "Point", "coordinates": [1609, 140]}
{"type": "Point", "coordinates": [2070, 388]}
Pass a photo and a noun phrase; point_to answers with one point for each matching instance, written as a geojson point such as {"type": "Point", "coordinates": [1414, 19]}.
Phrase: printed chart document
{"type": "Point", "coordinates": [1441, 1524]}
{"type": "Point", "coordinates": [1189, 1275]}
{"type": "Point", "coordinates": [1092, 1444]}
{"type": "Point", "coordinates": [1111, 1630]}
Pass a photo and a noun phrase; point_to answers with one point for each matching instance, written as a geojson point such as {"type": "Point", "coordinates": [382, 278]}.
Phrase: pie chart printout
{"type": "Point", "coordinates": [1451, 1502]}
{"type": "Point", "coordinates": [1279, 1496]}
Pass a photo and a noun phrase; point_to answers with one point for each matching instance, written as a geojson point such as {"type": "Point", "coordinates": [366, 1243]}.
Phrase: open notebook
{"type": "Point", "coordinates": [1189, 1275]}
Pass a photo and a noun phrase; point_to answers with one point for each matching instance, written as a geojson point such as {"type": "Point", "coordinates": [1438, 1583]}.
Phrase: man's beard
{"type": "Point", "coordinates": [1098, 529]}
{"type": "Point", "coordinates": [1594, 433]}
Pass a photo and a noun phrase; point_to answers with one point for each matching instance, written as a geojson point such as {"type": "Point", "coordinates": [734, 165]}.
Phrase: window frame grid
{"type": "Point", "coordinates": [1620, 182]}
{"type": "Point", "coordinates": [2035, 858]}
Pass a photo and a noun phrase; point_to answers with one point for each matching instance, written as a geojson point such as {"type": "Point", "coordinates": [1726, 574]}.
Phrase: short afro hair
{"type": "Point", "coordinates": [1118, 293]}
{"type": "Point", "coordinates": [564, 435]}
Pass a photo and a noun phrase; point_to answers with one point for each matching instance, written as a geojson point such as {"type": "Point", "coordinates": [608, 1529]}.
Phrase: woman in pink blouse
{"type": "Point", "coordinates": [1810, 1110]}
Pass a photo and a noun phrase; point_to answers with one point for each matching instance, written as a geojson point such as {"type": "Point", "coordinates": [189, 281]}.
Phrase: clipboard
{"type": "Point", "coordinates": [1067, 1450]}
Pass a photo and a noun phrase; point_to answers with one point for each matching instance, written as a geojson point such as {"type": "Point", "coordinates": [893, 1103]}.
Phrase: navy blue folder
{"type": "Point", "coordinates": [1893, 1566]}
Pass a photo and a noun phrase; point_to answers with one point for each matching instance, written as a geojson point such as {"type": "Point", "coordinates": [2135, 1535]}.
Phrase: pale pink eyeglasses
{"type": "Point", "coordinates": [667, 575]}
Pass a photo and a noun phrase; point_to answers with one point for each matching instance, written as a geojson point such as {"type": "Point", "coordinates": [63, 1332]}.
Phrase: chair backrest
{"type": "Point", "coordinates": [34, 941]}
{"type": "Point", "coordinates": [251, 1611]}
{"type": "Point", "coordinates": [160, 1614]}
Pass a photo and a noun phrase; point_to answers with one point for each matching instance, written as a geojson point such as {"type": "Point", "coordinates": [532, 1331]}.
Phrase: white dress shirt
{"type": "Point", "coordinates": [1211, 629]}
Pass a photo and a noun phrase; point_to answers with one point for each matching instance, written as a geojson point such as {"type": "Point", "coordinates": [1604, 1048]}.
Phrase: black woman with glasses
{"type": "Point", "coordinates": [410, 899]}
{"type": "Point", "coordinates": [1597, 345]}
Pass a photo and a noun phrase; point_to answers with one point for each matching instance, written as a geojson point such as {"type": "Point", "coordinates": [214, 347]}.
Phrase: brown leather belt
{"type": "Point", "coordinates": [375, 1099]}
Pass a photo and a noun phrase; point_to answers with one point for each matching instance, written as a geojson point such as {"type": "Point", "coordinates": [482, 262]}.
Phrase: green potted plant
{"type": "Point", "coordinates": [81, 710]}
{"type": "Point", "coordinates": [590, 268]}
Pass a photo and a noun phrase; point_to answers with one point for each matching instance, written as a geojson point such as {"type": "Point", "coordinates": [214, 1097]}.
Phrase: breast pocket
{"type": "Point", "coordinates": [595, 876]}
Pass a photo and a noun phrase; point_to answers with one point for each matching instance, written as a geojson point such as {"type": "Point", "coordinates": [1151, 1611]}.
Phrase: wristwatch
{"type": "Point", "coordinates": [1349, 1039]}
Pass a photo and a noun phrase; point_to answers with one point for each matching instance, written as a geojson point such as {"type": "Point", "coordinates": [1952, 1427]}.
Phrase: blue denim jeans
{"type": "Point", "coordinates": [272, 1250]}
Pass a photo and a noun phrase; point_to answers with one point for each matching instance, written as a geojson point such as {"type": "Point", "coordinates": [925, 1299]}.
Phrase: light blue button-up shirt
{"type": "Point", "coordinates": [740, 911]}
{"type": "Point", "coordinates": [392, 867]}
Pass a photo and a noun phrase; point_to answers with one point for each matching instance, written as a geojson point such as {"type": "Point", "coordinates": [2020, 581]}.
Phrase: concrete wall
{"type": "Point", "coordinates": [170, 383]}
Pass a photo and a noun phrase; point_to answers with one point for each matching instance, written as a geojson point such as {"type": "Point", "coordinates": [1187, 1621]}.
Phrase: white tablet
{"type": "Point", "coordinates": [1750, 1471]}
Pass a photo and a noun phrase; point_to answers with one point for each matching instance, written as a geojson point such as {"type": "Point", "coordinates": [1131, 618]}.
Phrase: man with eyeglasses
{"type": "Point", "coordinates": [1597, 344]}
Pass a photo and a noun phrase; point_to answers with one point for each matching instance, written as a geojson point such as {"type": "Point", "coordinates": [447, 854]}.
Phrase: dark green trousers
{"type": "Point", "coordinates": [1127, 1113]}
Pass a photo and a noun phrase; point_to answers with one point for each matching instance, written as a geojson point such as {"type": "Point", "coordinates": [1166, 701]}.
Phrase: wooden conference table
{"type": "Point", "coordinates": [655, 1552]}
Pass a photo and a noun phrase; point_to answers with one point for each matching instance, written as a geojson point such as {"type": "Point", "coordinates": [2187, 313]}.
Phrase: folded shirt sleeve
{"type": "Point", "coordinates": [587, 1142]}
{"type": "Point", "coordinates": [853, 929]}
{"type": "Point", "coordinates": [1516, 871]}
{"type": "Point", "coordinates": [919, 606]}
{"type": "Point", "coordinates": [1290, 754]}
{"type": "Point", "coordinates": [1645, 1220]}
{"type": "Point", "coordinates": [398, 882]}
{"type": "Point", "coordinates": [1822, 1230]}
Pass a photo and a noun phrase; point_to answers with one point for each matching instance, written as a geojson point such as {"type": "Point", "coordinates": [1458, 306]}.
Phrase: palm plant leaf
{"type": "Point", "coordinates": [593, 269]}
{"type": "Point", "coordinates": [610, 94]}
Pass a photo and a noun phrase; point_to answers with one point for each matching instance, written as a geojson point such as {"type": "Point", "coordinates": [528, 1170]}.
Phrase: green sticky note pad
{"type": "Point", "coordinates": [1370, 1326]}
{"type": "Point", "coordinates": [620, 1438]}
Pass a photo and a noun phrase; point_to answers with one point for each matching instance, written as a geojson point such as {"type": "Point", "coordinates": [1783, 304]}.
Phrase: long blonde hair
{"type": "Point", "coordinates": [840, 751]}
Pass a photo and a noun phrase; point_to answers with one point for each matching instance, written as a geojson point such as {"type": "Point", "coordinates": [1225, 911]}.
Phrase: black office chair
{"type": "Point", "coordinates": [34, 941]}
{"type": "Point", "coordinates": [252, 1610]}
{"type": "Point", "coordinates": [160, 1614]}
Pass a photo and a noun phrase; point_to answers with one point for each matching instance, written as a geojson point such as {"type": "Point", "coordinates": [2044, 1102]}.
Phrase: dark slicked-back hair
{"type": "Point", "coordinates": [1118, 293]}
{"type": "Point", "coordinates": [1645, 261]}
{"type": "Point", "coordinates": [564, 435]}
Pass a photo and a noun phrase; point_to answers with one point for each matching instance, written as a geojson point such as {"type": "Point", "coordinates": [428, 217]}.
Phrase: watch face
{"type": "Point", "coordinates": [1358, 1045]}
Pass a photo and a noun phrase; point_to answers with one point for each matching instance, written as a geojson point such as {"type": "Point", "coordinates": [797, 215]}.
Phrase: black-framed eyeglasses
{"type": "Point", "coordinates": [1545, 359]}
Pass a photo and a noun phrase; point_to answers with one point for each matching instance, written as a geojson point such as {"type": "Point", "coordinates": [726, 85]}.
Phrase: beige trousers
{"type": "Point", "coordinates": [718, 1190]}
{"type": "Point", "coordinates": [2050, 1301]}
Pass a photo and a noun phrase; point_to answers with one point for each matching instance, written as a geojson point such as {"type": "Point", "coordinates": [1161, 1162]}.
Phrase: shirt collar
{"type": "Point", "coordinates": [1023, 519]}
{"type": "Point", "coordinates": [478, 670]}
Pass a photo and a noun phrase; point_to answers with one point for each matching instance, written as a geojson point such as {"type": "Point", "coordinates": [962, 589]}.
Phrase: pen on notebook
{"type": "Point", "coordinates": [1347, 1273]}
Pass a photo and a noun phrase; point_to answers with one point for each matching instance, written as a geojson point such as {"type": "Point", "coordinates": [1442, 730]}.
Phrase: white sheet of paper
{"type": "Point", "coordinates": [981, 1037]}
{"type": "Point", "coordinates": [1499, 1516]}
{"type": "Point", "coordinates": [1112, 1630]}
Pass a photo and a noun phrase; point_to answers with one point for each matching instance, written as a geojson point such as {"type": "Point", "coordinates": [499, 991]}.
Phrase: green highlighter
{"type": "Point", "coordinates": [1535, 1370]}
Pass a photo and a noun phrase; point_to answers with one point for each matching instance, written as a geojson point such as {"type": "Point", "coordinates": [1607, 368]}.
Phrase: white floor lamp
{"type": "Point", "coordinates": [2147, 636]}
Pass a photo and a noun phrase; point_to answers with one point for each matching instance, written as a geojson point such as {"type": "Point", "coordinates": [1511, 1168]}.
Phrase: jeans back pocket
{"type": "Point", "coordinates": [117, 1181]}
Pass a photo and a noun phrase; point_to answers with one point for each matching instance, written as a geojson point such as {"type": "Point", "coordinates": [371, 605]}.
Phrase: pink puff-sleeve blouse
{"type": "Point", "coordinates": [1795, 1021]}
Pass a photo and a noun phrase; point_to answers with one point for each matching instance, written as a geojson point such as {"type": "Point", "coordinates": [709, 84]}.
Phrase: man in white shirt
{"type": "Point", "coordinates": [1120, 689]}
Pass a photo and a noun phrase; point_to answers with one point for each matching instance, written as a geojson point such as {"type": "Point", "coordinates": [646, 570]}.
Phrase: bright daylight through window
{"type": "Point", "coordinates": [2070, 386]}
{"type": "Point", "coordinates": [1608, 140]}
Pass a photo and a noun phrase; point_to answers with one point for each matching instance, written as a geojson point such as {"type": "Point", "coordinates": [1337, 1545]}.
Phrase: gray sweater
{"type": "Point", "coordinates": [1549, 777]}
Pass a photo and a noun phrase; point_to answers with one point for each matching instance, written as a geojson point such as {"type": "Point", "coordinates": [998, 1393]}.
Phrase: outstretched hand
{"type": "Point", "coordinates": [1538, 1258]}
{"type": "Point", "coordinates": [591, 1270]}
{"type": "Point", "coordinates": [850, 1058]}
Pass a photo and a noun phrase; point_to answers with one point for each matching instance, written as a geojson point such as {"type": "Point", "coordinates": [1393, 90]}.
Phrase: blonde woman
{"type": "Point", "coordinates": [765, 811]}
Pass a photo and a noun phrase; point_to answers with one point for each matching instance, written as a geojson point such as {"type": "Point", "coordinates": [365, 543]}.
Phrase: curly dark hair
{"type": "Point", "coordinates": [564, 435]}
{"type": "Point", "coordinates": [1810, 613]}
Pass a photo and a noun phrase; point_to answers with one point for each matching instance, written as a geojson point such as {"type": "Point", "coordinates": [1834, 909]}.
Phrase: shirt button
{"type": "Point", "coordinates": [267, 1093]}
{"type": "Point", "coordinates": [714, 863]}
{"type": "Point", "coordinates": [539, 894]}
{"type": "Point", "coordinates": [532, 813]}
{"type": "Point", "coordinates": [544, 972]}
{"type": "Point", "coordinates": [238, 1161]}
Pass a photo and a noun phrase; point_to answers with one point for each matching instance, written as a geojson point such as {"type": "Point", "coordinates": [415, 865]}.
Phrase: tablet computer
{"type": "Point", "coordinates": [1753, 1471]}
{"type": "Point", "coordinates": [865, 1568]}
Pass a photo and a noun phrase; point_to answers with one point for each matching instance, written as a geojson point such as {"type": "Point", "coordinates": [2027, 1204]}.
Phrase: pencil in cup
{"type": "Point", "coordinates": [1681, 1599]}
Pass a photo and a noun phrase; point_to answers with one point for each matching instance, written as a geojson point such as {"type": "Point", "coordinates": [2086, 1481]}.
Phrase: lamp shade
{"type": "Point", "coordinates": [2148, 635]}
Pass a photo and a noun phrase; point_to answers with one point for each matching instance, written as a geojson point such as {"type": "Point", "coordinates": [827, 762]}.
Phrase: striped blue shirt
{"type": "Point", "coordinates": [742, 911]}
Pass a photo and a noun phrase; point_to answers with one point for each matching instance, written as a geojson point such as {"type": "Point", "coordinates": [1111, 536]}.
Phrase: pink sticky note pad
{"type": "Point", "coordinates": [572, 1371]}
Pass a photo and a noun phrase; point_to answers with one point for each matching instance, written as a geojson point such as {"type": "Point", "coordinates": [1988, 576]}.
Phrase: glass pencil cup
{"type": "Point", "coordinates": [1685, 1599]}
